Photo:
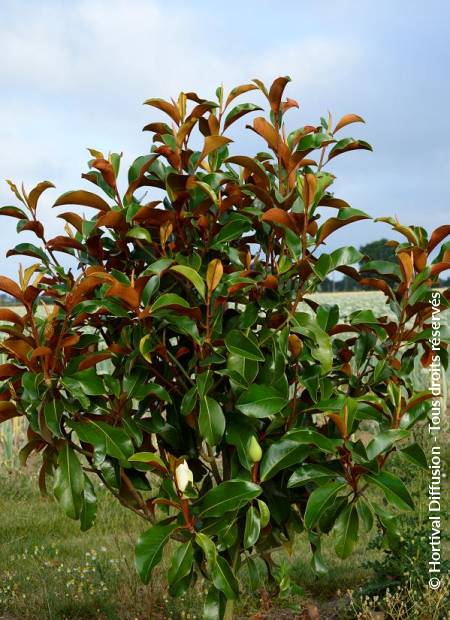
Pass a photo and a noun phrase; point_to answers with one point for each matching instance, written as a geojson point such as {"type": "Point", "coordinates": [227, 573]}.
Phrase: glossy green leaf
{"type": "Point", "coordinates": [168, 299]}
{"type": "Point", "coordinates": [111, 439]}
{"type": "Point", "coordinates": [180, 567]}
{"type": "Point", "coordinates": [211, 420]}
{"type": "Point", "coordinates": [89, 509]}
{"type": "Point", "coordinates": [393, 488]}
{"type": "Point", "coordinates": [383, 441]}
{"type": "Point", "coordinates": [280, 455]}
{"type": "Point", "coordinates": [416, 455]}
{"type": "Point", "coordinates": [309, 436]}
{"type": "Point", "coordinates": [236, 342]}
{"type": "Point", "coordinates": [138, 232]}
{"type": "Point", "coordinates": [69, 482]}
{"type": "Point", "coordinates": [149, 549]}
{"type": "Point", "coordinates": [320, 499]}
{"type": "Point", "coordinates": [346, 531]}
{"type": "Point", "coordinates": [193, 277]}
{"type": "Point", "coordinates": [261, 401]}
{"type": "Point", "coordinates": [252, 527]}
{"type": "Point", "coordinates": [224, 579]}
{"type": "Point", "coordinates": [228, 496]}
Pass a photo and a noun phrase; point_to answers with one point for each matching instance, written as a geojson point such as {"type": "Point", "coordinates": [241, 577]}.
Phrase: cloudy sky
{"type": "Point", "coordinates": [74, 75]}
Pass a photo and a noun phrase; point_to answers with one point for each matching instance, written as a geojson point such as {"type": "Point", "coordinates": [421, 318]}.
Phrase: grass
{"type": "Point", "coordinates": [49, 570]}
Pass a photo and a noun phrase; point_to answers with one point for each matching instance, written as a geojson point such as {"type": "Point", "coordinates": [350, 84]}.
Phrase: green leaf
{"type": "Point", "coordinates": [89, 381]}
{"type": "Point", "coordinates": [393, 488]}
{"type": "Point", "coordinates": [149, 290]}
{"type": "Point", "coordinates": [309, 436]}
{"type": "Point", "coordinates": [236, 342]}
{"type": "Point", "coordinates": [383, 441]}
{"type": "Point", "coordinates": [158, 267]}
{"type": "Point", "coordinates": [188, 402]}
{"type": "Point", "coordinates": [346, 531]}
{"type": "Point", "coordinates": [223, 578]}
{"type": "Point", "coordinates": [232, 230]}
{"type": "Point", "coordinates": [264, 513]}
{"type": "Point", "coordinates": [208, 547]}
{"type": "Point", "coordinates": [252, 527]}
{"type": "Point", "coordinates": [261, 401]}
{"type": "Point", "coordinates": [416, 455]}
{"type": "Point", "coordinates": [320, 499]}
{"type": "Point", "coordinates": [180, 567]}
{"type": "Point", "coordinates": [53, 412]}
{"type": "Point", "coordinates": [309, 472]}
{"type": "Point", "coordinates": [280, 455]}
{"type": "Point", "coordinates": [193, 277]}
{"type": "Point", "coordinates": [149, 549]}
{"type": "Point", "coordinates": [69, 482]}
{"type": "Point", "coordinates": [239, 433]}
{"type": "Point", "coordinates": [147, 457]}
{"type": "Point", "coordinates": [365, 513]}
{"type": "Point", "coordinates": [110, 439]}
{"type": "Point", "coordinates": [322, 351]}
{"type": "Point", "coordinates": [228, 496]}
{"type": "Point", "coordinates": [138, 232]}
{"type": "Point", "coordinates": [168, 299]}
{"type": "Point", "coordinates": [211, 420]}
{"type": "Point", "coordinates": [89, 510]}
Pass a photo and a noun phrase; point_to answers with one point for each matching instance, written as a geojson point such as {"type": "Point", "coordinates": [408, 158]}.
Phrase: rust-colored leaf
{"type": "Point", "coordinates": [41, 352]}
{"type": "Point", "coordinates": [83, 198]}
{"type": "Point", "coordinates": [334, 223]}
{"type": "Point", "coordinates": [239, 90]}
{"type": "Point", "coordinates": [19, 348]}
{"type": "Point", "coordinates": [212, 143]}
{"type": "Point", "coordinates": [249, 164]}
{"type": "Point", "coordinates": [437, 236]}
{"type": "Point", "coordinates": [214, 274]}
{"type": "Point", "coordinates": [62, 243]}
{"type": "Point", "coordinates": [107, 171]}
{"type": "Point", "coordinates": [339, 423]}
{"type": "Point", "coordinates": [93, 360]}
{"type": "Point", "coordinates": [288, 104]}
{"type": "Point", "coordinates": [165, 106]}
{"type": "Point", "coordinates": [266, 131]}
{"type": "Point", "coordinates": [34, 226]}
{"type": "Point", "coordinates": [279, 217]}
{"type": "Point", "coordinates": [8, 370]}
{"type": "Point", "coordinates": [381, 285]}
{"type": "Point", "coordinates": [347, 119]}
{"type": "Point", "coordinates": [7, 410]}
{"type": "Point", "coordinates": [74, 219]}
{"type": "Point", "coordinates": [407, 266]}
{"type": "Point", "coordinates": [112, 219]}
{"type": "Point", "coordinates": [10, 287]}
{"type": "Point", "coordinates": [125, 293]}
{"type": "Point", "coordinates": [276, 93]}
{"type": "Point", "coordinates": [12, 317]}
{"type": "Point", "coordinates": [70, 341]}
{"type": "Point", "coordinates": [36, 193]}
{"type": "Point", "coordinates": [309, 189]}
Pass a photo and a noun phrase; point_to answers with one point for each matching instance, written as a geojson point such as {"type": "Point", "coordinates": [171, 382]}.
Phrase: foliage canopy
{"type": "Point", "coordinates": [185, 364]}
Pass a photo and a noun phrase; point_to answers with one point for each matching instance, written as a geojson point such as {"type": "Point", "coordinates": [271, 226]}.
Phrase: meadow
{"type": "Point", "coordinates": [50, 570]}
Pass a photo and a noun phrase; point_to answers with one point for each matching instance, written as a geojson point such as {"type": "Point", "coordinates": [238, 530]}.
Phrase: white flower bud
{"type": "Point", "coordinates": [183, 476]}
